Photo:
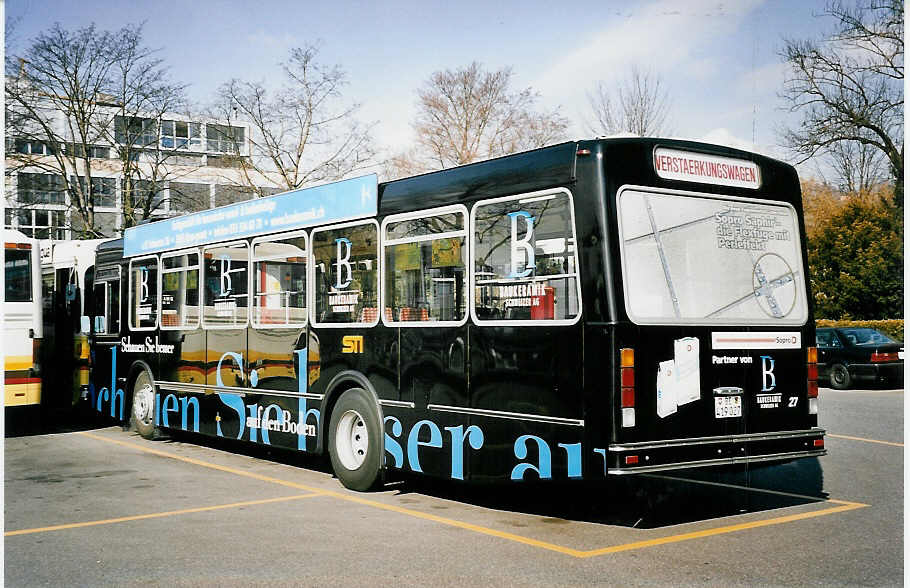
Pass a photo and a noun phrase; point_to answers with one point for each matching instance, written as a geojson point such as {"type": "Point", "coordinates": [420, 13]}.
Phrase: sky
{"type": "Point", "coordinates": [719, 60]}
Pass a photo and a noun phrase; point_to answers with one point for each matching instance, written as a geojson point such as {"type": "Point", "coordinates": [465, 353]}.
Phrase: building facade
{"type": "Point", "coordinates": [186, 164]}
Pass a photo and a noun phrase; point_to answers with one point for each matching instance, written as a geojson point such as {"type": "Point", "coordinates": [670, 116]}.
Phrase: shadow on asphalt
{"type": "Point", "coordinates": [645, 501]}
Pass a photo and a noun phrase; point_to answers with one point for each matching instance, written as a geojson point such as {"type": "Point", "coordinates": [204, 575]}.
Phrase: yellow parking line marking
{"type": "Point", "coordinates": [156, 515]}
{"type": "Point", "coordinates": [864, 439]}
{"type": "Point", "coordinates": [844, 506]}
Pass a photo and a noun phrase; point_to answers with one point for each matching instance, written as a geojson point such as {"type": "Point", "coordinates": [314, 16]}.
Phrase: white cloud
{"type": "Point", "coordinates": [659, 36]}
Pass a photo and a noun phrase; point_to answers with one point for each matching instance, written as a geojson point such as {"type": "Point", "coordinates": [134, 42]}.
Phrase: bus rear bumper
{"type": "Point", "coordinates": [674, 454]}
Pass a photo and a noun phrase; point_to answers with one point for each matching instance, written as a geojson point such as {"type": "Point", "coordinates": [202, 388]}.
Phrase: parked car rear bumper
{"type": "Point", "coordinates": [878, 372]}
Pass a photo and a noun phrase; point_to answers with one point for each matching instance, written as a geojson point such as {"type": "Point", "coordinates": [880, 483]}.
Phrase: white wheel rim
{"type": "Point", "coordinates": [351, 440]}
{"type": "Point", "coordinates": [143, 403]}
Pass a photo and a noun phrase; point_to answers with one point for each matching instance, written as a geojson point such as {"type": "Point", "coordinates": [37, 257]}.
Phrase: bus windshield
{"type": "Point", "coordinates": [694, 259]}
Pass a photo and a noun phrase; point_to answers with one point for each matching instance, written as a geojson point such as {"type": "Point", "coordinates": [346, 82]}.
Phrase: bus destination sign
{"type": "Point", "coordinates": [672, 164]}
{"type": "Point", "coordinates": [345, 200]}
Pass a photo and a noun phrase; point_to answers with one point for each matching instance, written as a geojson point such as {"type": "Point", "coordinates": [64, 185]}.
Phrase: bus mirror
{"type": "Point", "coordinates": [70, 292]}
{"type": "Point", "coordinates": [84, 325]}
{"type": "Point", "coordinates": [99, 324]}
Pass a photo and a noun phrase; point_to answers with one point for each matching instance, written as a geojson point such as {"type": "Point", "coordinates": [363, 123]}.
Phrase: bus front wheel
{"type": "Point", "coordinates": [143, 409]}
{"type": "Point", "coordinates": [355, 441]}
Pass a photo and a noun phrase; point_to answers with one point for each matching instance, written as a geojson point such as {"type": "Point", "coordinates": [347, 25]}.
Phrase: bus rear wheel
{"type": "Point", "coordinates": [355, 441]}
{"type": "Point", "coordinates": [143, 407]}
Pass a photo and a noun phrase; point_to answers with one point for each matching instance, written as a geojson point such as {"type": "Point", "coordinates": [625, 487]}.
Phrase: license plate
{"type": "Point", "coordinates": [726, 407]}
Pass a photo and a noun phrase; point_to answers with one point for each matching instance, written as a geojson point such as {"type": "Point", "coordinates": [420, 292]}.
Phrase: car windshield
{"type": "Point", "coordinates": [865, 336]}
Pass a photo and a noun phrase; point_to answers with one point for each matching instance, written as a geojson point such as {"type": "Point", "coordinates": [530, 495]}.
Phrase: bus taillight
{"type": "Point", "coordinates": [627, 386]}
{"type": "Point", "coordinates": [812, 377]}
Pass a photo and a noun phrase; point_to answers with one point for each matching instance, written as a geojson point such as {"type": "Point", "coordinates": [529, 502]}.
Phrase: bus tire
{"type": "Point", "coordinates": [142, 409]}
{"type": "Point", "coordinates": [840, 377]}
{"type": "Point", "coordinates": [355, 441]}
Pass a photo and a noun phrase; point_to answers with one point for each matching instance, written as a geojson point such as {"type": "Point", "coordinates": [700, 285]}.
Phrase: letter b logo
{"type": "Point", "coordinates": [343, 265]}
{"type": "Point", "coordinates": [769, 382]}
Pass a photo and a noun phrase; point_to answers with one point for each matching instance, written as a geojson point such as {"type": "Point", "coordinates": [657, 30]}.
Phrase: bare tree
{"type": "Point", "coordinates": [470, 114]}
{"type": "Point", "coordinates": [67, 94]}
{"type": "Point", "coordinates": [849, 86]}
{"type": "Point", "coordinates": [639, 105]}
{"type": "Point", "coordinates": [857, 167]}
{"type": "Point", "coordinates": [302, 133]}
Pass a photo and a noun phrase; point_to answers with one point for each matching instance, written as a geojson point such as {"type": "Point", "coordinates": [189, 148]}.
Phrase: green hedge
{"type": "Point", "coordinates": [894, 328]}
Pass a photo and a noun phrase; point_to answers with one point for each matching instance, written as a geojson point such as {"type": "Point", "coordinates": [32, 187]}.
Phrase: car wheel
{"type": "Point", "coordinates": [143, 410]}
{"type": "Point", "coordinates": [355, 441]}
{"type": "Point", "coordinates": [840, 377]}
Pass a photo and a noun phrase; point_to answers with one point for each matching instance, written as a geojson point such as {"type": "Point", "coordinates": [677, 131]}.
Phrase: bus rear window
{"type": "Point", "coordinates": [18, 267]}
{"type": "Point", "coordinates": [693, 259]}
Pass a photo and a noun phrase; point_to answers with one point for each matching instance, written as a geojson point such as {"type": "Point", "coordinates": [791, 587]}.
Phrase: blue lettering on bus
{"type": "Point", "coordinates": [391, 445]}
{"type": "Point", "coordinates": [573, 453]}
{"type": "Point", "coordinates": [170, 405]}
{"type": "Point", "coordinates": [475, 440]}
{"type": "Point", "coordinates": [414, 442]}
{"type": "Point", "coordinates": [105, 394]}
{"type": "Point", "coordinates": [184, 411]}
{"type": "Point", "coordinates": [544, 462]}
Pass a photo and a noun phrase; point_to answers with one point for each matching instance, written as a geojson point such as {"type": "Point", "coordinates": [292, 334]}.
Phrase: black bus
{"type": "Point", "coordinates": [589, 309]}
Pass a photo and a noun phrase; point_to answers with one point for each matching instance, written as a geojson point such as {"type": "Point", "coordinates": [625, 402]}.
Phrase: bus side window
{"type": "Point", "coordinates": [346, 288]}
{"type": "Point", "coordinates": [98, 312]}
{"type": "Point", "coordinates": [113, 307]}
{"type": "Point", "coordinates": [279, 282]}
{"type": "Point", "coordinates": [180, 290]}
{"type": "Point", "coordinates": [424, 267]}
{"type": "Point", "coordinates": [143, 307]}
{"type": "Point", "coordinates": [525, 259]}
{"type": "Point", "coordinates": [226, 286]}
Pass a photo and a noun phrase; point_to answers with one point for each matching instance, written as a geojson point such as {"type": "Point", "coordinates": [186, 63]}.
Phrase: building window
{"type": "Point", "coordinates": [141, 132]}
{"type": "Point", "coordinates": [103, 190]}
{"type": "Point", "coordinates": [40, 224]}
{"type": "Point", "coordinates": [40, 189]}
{"type": "Point", "coordinates": [32, 147]}
{"type": "Point", "coordinates": [177, 134]}
{"type": "Point", "coordinates": [137, 192]}
{"type": "Point", "coordinates": [223, 138]}
{"type": "Point", "coordinates": [94, 151]}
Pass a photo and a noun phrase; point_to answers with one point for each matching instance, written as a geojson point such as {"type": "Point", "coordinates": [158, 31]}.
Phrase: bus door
{"type": "Point", "coordinates": [716, 293]}
{"type": "Point", "coordinates": [425, 301]}
{"type": "Point", "coordinates": [182, 350]}
{"type": "Point", "coordinates": [225, 309]}
{"type": "Point", "coordinates": [105, 321]}
{"type": "Point", "coordinates": [277, 340]}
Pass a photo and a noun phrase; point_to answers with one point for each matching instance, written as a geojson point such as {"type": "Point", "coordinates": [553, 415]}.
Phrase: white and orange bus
{"type": "Point", "coordinates": [22, 329]}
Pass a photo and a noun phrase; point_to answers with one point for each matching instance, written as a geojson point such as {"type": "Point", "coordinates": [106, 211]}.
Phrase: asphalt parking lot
{"type": "Point", "coordinates": [102, 506]}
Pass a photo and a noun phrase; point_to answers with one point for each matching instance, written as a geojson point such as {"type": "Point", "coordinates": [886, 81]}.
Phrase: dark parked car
{"type": "Point", "coordinates": [846, 355]}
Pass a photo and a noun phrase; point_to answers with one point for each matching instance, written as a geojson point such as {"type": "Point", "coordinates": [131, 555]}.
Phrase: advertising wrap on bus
{"type": "Point", "coordinates": [584, 310]}
{"type": "Point", "coordinates": [344, 200]}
